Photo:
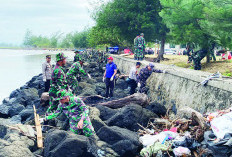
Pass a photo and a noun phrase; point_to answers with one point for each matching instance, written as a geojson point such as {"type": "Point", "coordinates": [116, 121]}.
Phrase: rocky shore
{"type": "Point", "coordinates": [116, 129]}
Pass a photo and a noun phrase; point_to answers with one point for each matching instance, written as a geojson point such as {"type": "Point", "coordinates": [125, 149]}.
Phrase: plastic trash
{"type": "Point", "coordinates": [215, 75]}
{"type": "Point", "coordinates": [186, 142]}
{"type": "Point", "coordinates": [220, 148]}
{"type": "Point", "coordinates": [172, 130]}
{"type": "Point", "coordinates": [166, 135]}
{"type": "Point", "coordinates": [148, 140]}
{"type": "Point", "coordinates": [155, 148]}
{"type": "Point", "coordinates": [180, 151]}
{"type": "Point", "coordinates": [211, 116]}
{"type": "Point", "coordinates": [222, 125]}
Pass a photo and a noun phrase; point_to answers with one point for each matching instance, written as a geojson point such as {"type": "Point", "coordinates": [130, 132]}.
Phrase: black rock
{"type": "Point", "coordinates": [125, 148]}
{"type": "Point", "coordinates": [16, 119]}
{"type": "Point", "coordinates": [63, 144]}
{"type": "Point", "coordinates": [157, 108]}
{"type": "Point", "coordinates": [62, 122]}
{"type": "Point", "coordinates": [105, 112]}
{"type": "Point", "coordinates": [5, 100]}
{"type": "Point", "coordinates": [4, 111]}
{"type": "Point", "coordinates": [27, 114]}
{"type": "Point", "coordinates": [14, 94]}
{"type": "Point", "coordinates": [3, 131]}
{"type": "Point", "coordinates": [114, 134]}
{"type": "Point", "coordinates": [130, 116]}
{"type": "Point", "coordinates": [15, 109]}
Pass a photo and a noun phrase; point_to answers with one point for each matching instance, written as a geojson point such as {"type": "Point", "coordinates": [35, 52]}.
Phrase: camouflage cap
{"type": "Point", "coordinates": [141, 34]}
{"type": "Point", "coordinates": [62, 94]}
{"type": "Point", "coordinates": [60, 56]}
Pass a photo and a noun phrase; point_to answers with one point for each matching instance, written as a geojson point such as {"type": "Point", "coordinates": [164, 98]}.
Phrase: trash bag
{"type": "Point", "coordinates": [221, 148]}
{"type": "Point", "coordinates": [222, 125]}
{"type": "Point", "coordinates": [186, 142]}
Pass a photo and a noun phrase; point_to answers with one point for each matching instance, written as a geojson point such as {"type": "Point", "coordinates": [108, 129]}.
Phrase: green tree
{"type": "Point", "coordinates": [66, 42]}
{"type": "Point", "coordinates": [218, 21]}
{"type": "Point", "coordinates": [54, 39]}
{"type": "Point", "coordinates": [27, 39]}
{"type": "Point", "coordinates": [202, 22]}
{"type": "Point", "coordinates": [79, 39]}
{"type": "Point", "coordinates": [119, 22]}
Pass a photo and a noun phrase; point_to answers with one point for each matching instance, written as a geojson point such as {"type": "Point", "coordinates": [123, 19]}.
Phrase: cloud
{"type": "Point", "coordinates": [42, 17]}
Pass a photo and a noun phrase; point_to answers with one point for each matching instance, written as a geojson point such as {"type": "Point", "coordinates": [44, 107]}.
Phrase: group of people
{"type": "Point", "coordinates": [62, 87]}
{"type": "Point", "coordinates": [138, 79]}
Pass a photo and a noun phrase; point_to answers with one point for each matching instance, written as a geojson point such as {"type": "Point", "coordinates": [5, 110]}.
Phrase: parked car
{"type": "Point", "coordinates": [113, 50]}
{"type": "Point", "coordinates": [169, 52]}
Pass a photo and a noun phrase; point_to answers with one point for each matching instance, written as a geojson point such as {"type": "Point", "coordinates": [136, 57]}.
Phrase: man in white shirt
{"type": "Point", "coordinates": [133, 77]}
{"type": "Point", "coordinates": [47, 72]}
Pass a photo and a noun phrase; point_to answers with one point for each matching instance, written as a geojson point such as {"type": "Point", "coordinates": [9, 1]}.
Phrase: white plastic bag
{"type": "Point", "coordinates": [148, 140]}
{"type": "Point", "coordinates": [222, 125]}
{"type": "Point", "coordinates": [180, 151]}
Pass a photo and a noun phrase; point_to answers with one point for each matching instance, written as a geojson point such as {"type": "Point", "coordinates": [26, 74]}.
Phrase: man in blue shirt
{"type": "Point", "coordinates": [109, 77]}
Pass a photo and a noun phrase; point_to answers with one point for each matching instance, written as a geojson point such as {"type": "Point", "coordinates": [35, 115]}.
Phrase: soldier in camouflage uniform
{"type": "Point", "coordinates": [77, 56]}
{"type": "Point", "coordinates": [197, 57]}
{"type": "Point", "coordinates": [144, 74]}
{"type": "Point", "coordinates": [58, 81]}
{"type": "Point", "coordinates": [101, 60]}
{"type": "Point", "coordinates": [140, 46]}
{"type": "Point", "coordinates": [135, 48]}
{"type": "Point", "coordinates": [189, 48]}
{"type": "Point", "coordinates": [76, 111]}
{"type": "Point", "coordinates": [73, 75]}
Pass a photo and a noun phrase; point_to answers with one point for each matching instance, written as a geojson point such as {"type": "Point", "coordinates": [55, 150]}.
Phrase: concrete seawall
{"type": "Point", "coordinates": [180, 87]}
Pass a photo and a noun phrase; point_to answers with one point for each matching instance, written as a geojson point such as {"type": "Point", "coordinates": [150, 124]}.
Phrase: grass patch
{"type": "Point", "coordinates": [223, 66]}
{"type": "Point", "coordinates": [182, 64]}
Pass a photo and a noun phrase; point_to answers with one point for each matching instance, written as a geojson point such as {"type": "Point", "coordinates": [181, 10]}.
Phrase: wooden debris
{"type": "Point", "coordinates": [38, 129]}
{"type": "Point", "coordinates": [200, 119]}
{"type": "Point", "coordinates": [137, 98]}
{"type": "Point", "coordinates": [92, 99]}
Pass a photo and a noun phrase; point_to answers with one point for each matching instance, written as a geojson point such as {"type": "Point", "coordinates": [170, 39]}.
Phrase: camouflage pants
{"type": "Point", "coordinates": [140, 54]}
{"type": "Point", "coordinates": [53, 104]}
{"type": "Point", "coordinates": [143, 88]}
{"type": "Point", "coordinates": [136, 54]}
{"type": "Point", "coordinates": [197, 64]}
{"type": "Point", "coordinates": [87, 130]}
{"type": "Point", "coordinates": [73, 84]}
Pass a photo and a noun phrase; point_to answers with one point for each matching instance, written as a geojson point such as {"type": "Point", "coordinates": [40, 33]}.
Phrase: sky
{"type": "Point", "coordinates": [42, 17]}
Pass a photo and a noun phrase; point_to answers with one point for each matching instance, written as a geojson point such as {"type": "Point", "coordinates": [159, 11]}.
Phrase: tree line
{"type": "Point", "coordinates": [118, 22]}
{"type": "Point", "coordinates": [56, 40]}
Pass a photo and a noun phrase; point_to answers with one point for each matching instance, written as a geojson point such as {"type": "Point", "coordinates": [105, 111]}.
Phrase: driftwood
{"type": "Point", "coordinates": [137, 98]}
{"type": "Point", "coordinates": [38, 130]}
{"type": "Point", "coordinates": [93, 99]}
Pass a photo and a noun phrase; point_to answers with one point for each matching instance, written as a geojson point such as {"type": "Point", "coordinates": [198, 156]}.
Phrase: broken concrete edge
{"type": "Point", "coordinates": [190, 74]}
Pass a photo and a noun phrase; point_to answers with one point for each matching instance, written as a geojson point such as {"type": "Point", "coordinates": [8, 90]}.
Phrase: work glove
{"type": "Point", "coordinates": [89, 76]}
{"type": "Point", "coordinates": [112, 78]}
{"type": "Point", "coordinates": [41, 120]}
{"type": "Point", "coordinates": [139, 85]}
{"type": "Point", "coordinates": [103, 79]}
{"type": "Point", "coordinates": [164, 71]}
{"type": "Point", "coordinates": [44, 79]}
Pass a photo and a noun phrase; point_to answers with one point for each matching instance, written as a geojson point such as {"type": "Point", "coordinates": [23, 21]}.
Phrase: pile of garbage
{"type": "Point", "coordinates": [198, 136]}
